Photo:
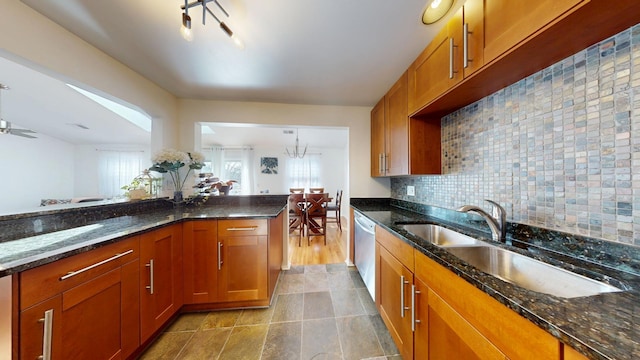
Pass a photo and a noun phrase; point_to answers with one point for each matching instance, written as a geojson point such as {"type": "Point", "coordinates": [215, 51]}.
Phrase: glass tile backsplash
{"type": "Point", "coordinates": [558, 149]}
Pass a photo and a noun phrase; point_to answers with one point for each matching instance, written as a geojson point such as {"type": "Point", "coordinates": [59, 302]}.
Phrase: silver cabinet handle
{"type": "Point", "coordinates": [219, 255]}
{"type": "Point", "coordinates": [451, 69]}
{"type": "Point", "coordinates": [74, 273]}
{"type": "Point", "coordinates": [386, 163]}
{"type": "Point", "coordinates": [151, 285]}
{"type": "Point", "coordinates": [402, 307]}
{"type": "Point", "coordinates": [380, 165]}
{"type": "Point", "coordinates": [249, 228]}
{"type": "Point", "coordinates": [465, 46]}
{"type": "Point", "coordinates": [47, 334]}
{"type": "Point", "coordinates": [414, 321]}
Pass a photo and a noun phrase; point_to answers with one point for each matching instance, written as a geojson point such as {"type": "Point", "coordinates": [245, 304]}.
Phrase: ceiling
{"type": "Point", "coordinates": [296, 51]}
{"type": "Point", "coordinates": [43, 103]}
{"type": "Point", "coordinates": [282, 136]}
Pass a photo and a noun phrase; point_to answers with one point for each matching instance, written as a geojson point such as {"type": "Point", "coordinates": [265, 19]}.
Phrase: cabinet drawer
{"type": "Point", "coordinates": [243, 227]}
{"type": "Point", "coordinates": [45, 281]}
{"type": "Point", "coordinates": [398, 248]}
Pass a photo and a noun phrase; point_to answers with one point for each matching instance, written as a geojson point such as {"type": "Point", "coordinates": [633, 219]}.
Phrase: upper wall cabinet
{"type": "Point", "coordinates": [400, 145]}
{"type": "Point", "coordinates": [455, 53]}
{"type": "Point", "coordinates": [508, 22]}
{"type": "Point", "coordinates": [491, 44]}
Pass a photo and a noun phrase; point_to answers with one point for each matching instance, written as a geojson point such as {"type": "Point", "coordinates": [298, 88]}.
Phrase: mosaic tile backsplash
{"type": "Point", "coordinates": [558, 149]}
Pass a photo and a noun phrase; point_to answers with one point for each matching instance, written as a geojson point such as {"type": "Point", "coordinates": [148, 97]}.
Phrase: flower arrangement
{"type": "Point", "coordinates": [171, 160]}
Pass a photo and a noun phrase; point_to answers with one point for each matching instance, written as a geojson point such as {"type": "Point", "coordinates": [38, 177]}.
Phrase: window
{"type": "Point", "coordinates": [304, 172]}
{"type": "Point", "coordinates": [118, 168]}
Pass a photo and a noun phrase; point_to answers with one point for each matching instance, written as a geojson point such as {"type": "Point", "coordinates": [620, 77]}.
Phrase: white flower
{"type": "Point", "coordinates": [171, 156]}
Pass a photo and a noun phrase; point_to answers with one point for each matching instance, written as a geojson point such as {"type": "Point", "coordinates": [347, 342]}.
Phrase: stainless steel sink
{"type": "Point", "coordinates": [440, 236]}
{"type": "Point", "coordinates": [529, 273]}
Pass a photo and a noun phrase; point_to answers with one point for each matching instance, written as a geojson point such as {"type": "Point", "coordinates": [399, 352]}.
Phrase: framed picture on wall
{"type": "Point", "coordinates": [269, 165]}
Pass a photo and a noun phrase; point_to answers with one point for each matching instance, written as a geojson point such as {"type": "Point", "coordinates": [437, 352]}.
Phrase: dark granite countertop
{"type": "Point", "coordinates": [604, 326]}
{"type": "Point", "coordinates": [27, 241]}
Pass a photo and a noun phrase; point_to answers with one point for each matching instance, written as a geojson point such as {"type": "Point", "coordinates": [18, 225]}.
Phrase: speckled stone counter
{"type": "Point", "coordinates": [604, 326]}
{"type": "Point", "coordinates": [32, 239]}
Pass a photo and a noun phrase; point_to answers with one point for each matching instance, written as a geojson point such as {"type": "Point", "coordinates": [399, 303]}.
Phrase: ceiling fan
{"type": "Point", "coordinates": [5, 126]}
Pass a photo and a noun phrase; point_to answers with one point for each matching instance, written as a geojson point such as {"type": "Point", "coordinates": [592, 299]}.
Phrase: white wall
{"type": "Point", "coordinates": [333, 170]}
{"type": "Point", "coordinates": [34, 169]}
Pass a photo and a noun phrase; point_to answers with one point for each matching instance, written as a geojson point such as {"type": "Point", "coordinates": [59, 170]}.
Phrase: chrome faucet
{"type": "Point", "coordinates": [496, 220]}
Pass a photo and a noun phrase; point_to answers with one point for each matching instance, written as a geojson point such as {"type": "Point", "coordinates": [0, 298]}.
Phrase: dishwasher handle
{"type": "Point", "coordinates": [364, 224]}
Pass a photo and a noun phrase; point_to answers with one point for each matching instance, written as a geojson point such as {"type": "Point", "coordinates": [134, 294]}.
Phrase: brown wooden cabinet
{"type": "Point", "coordinates": [67, 305]}
{"type": "Point", "coordinates": [401, 145]}
{"type": "Point", "coordinates": [242, 263]}
{"type": "Point", "coordinates": [394, 282]}
{"type": "Point", "coordinates": [161, 294]}
{"type": "Point", "coordinates": [571, 354]}
{"type": "Point", "coordinates": [464, 322]}
{"type": "Point", "coordinates": [200, 244]}
{"type": "Point", "coordinates": [455, 53]}
{"type": "Point", "coordinates": [233, 261]}
{"type": "Point", "coordinates": [507, 23]}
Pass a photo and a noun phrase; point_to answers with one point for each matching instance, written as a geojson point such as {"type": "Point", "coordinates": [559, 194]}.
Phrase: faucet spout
{"type": "Point", "coordinates": [496, 220]}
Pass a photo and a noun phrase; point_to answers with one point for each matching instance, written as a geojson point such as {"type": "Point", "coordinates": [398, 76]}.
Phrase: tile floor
{"type": "Point", "coordinates": [320, 312]}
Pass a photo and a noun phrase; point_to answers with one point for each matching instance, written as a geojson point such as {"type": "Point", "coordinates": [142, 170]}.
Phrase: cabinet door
{"type": "Point", "coordinates": [40, 327]}
{"type": "Point", "coordinates": [377, 139]}
{"type": "Point", "coordinates": [161, 278]}
{"type": "Point", "coordinates": [243, 266]}
{"type": "Point", "coordinates": [200, 241]}
{"type": "Point", "coordinates": [571, 354]}
{"type": "Point", "coordinates": [450, 336]}
{"type": "Point", "coordinates": [397, 129]}
{"type": "Point", "coordinates": [393, 296]}
{"type": "Point", "coordinates": [438, 67]}
{"type": "Point", "coordinates": [103, 309]}
{"type": "Point", "coordinates": [421, 321]}
{"type": "Point", "coordinates": [509, 22]}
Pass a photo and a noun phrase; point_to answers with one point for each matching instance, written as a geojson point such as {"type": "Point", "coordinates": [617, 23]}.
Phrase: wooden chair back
{"type": "Point", "coordinates": [316, 190]}
{"type": "Point", "coordinates": [296, 190]}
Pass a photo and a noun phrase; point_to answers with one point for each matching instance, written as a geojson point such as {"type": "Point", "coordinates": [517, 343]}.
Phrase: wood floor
{"type": "Point", "coordinates": [316, 252]}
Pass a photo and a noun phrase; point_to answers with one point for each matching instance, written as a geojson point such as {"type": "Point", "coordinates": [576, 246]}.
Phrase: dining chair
{"type": "Point", "coordinates": [315, 213]}
{"type": "Point", "coordinates": [335, 208]}
{"type": "Point", "coordinates": [296, 214]}
{"type": "Point", "coordinates": [316, 190]}
{"type": "Point", "coordinates": [296, 190]}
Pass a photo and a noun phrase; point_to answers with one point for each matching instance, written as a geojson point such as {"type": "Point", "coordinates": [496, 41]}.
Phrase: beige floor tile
{"type": "Point", "coordinates": [225, 318]}
{"type": "Point", "coordinates": [318, 305]}
{"type": "Point", "coordinates": [205, 344]}
{"type": "Point", "coordinates": [316, 281]}
{"type": "Point", "coordinates": [347, 303]}
{"type": "Point", "coordinates": [288, 308]}
{"type": "Point", "coordinates": [256, 316]}
{"type": "Point", "coordinates": [167, 346]}
{"type": "Point", "coordinates": [284, 341]}
{"type": "Point", "coordinates": [245, 342]}
{"type": "Point", "coordinates": [320, 340]}
{"type": "Point", "coordinates": [358, 338]}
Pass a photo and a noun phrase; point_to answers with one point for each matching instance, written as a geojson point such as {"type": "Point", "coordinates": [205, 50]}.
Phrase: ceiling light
{"type": "Point", "coordinates": [296, 153]}
{"type": "Point", "coordinates": [185, 29]}
{"type": "Point", "coordinates": [436, 11]}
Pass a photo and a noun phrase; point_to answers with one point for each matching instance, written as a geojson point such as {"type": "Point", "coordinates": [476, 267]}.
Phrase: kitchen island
{"type": "Point", "coordinates": [602, 326]}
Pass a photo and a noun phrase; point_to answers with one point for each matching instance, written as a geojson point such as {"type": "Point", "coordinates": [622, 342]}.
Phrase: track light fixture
{"type": "Point", "coordinates": [185, 30]}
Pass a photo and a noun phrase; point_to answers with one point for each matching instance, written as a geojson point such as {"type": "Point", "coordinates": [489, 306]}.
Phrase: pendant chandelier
{"type": "Point", "coordinates": [296, 153]}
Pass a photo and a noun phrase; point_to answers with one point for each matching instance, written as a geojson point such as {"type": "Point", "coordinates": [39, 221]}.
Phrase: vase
{"type": "Point", "coordinates": [177, 196]}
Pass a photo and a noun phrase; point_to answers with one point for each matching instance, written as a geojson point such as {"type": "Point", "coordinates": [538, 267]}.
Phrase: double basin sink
{"type": "Point", "coordinates": [510, 266]}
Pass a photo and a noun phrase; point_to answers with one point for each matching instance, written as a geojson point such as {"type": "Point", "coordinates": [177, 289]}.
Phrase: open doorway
{"type": "Point", "coordinates": [261, 159]}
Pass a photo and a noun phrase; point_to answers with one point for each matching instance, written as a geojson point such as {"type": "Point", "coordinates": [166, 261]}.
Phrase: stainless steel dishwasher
{"type": "Point", "coordinates": [364, 252]}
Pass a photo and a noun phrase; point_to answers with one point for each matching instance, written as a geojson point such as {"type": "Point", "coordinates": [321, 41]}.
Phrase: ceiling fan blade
{"type": "Point", "coordinates": [23, 133]}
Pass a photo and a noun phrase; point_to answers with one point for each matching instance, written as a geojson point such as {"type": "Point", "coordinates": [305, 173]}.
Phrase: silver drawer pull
{"type": "Point", "coordinates": [219, 255]}
{"type": "Point", "coordinates": [249, 228]}
{"type": "Point", "coordinates": [46, 335]}
{"type": "Point", "coordinates": [74, 273]}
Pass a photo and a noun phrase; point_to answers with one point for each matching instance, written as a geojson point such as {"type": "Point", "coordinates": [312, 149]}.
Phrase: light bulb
{"type": "Point", "coordinates": [435, 4]}
{"type": "Point", "coordinates": [237, 42]}
{"type": "Point", "coordinates": [185, 29]}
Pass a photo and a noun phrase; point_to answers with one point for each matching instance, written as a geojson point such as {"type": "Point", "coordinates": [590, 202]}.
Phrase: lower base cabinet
{"type": "Point", "coordinates": [82, 307]}
{"type": "Point", "coordinates": [160, 278]}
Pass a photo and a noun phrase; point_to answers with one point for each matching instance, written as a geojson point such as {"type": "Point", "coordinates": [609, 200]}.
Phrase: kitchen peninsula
{"type": "Point", "coordinates": [123, 271]}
